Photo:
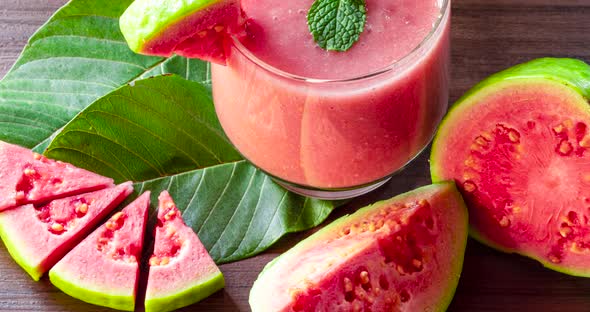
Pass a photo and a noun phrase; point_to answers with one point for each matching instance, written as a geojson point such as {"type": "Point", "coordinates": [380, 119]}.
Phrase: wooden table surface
{"type": "Point", "coordinates": [488, 35]}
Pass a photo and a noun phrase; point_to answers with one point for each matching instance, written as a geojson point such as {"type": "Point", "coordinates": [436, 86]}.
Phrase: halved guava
{"type": "Point", "coordinates": [113, 252]}
{"type": "Point", "coordinates": [191, 28]}
{"type": "Point", "coordinates": [517, 147]}
{"type": "Point", "coordinates": [402, 254]}
{"type": "Point", "coordinates": [38, 236]}
{"type": "Point", "coordinates": [181, 270]}
{"type": "Point", "coordinates": [30, 178]}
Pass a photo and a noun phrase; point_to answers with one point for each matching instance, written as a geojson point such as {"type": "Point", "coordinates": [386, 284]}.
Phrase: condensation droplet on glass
{"type": "Point", "coordinates": [274, 18]}
{"type": "Point", "coordinates": [301, 11]}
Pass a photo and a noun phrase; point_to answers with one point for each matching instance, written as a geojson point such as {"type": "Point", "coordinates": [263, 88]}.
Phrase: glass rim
{"type": "Point", "coordinates": [444, 12]}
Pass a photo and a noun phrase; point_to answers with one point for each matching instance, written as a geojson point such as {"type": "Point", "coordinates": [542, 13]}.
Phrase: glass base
{"type": "Point", "coordinates": [331, 194]}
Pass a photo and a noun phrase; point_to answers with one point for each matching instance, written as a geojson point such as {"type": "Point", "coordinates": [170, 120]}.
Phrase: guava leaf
{"type": "Point", "coordinates": [78, 56]}
{"type": "Point", "coordinates": [237, 210]}
{"type": "Point", "coordinates": [337, 24]}
{"type": "Point", "coordinates": [153, 128]}
{"type": "Point", "coordinates": [163, 133]}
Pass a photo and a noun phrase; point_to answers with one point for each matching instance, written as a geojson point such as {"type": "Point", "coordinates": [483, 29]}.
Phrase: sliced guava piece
{"type": "Point", "coordinates": [38, 236]}
{"type": "Point", "coordinates": [31, 178]}
{"type": "Point", "coordinates": [402, 254]}
{"type": "Point", "coordinates": [191, 28]}
{"type": "Point", "coordinates": [517, 147]}
{"type": "Point", "coordinates": [181, 270]}
{"type": "Point", "coordinates": [114, 252]}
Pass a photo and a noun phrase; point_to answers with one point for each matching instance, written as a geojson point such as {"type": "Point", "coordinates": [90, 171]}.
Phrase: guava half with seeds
{"type": "Point", "coordinates": [402, 254]}
{"type": "Point", "coordinates": [104, 268]}
{"type": "Point", "coordinates": [181, 270]}
{"type": "Point", "coordinates": [31, 178]}
{"type": "Point", "coordinates": [37, 237]}
{"type": "Point", "coordinates": [190, 28]}
{"type": "Point", "coordinates": [517, 145]}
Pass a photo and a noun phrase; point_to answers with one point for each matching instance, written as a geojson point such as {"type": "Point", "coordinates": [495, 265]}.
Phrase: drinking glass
{"type": "Point", "coordinates": [334, 138]}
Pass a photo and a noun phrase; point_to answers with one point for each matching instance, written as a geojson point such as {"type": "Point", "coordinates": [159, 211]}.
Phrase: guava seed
{"type": "Point", "coordinates": [29, 172]}
{"type": "Point", "coordinates": [57, 227]}
{"type": "Point", "coordinates": [364, 277]}
{"type": "Point", "coordinates": [347, 285]}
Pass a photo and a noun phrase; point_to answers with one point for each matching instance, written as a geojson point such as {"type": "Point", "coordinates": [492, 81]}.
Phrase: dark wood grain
{"type": "Point", "coordinates": [488, 35]}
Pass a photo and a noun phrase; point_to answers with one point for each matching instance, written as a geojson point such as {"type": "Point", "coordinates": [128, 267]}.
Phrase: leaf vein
{"type": "Point", "coordinates": [235, 210]}
{"type": "Point", "coordinates": [203, 225]}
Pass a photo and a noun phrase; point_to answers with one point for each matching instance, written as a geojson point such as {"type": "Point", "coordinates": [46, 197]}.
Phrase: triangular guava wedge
{"type": "Point", "coordinates": [38, 236]}
{"type": "Point", "coordinates": [191, 28]}
{"type": "Point", "coordinates": [31, 178]}
{"type": "Point", "coordinates": [181, 270]}
{"type": "Point", "coordinates": [114, 253]}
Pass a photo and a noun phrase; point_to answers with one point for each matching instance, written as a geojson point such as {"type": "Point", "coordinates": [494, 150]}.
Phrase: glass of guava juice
{"type": "Point", "coordinates": [327, 124]}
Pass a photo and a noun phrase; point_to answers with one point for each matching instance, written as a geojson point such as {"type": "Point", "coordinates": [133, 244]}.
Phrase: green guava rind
{"type": "Point", "coordinates": [113, 301]}
{"type": "Point", "coordinates": [187, 296]}
{"type": "Point", "coordinates": [12, 247]}
{"type": "Point", "coordinates": [570, 73]}
{"type": "Point", "coordinates": [146, 19]}
{"type": "Point", "coordinates": [459, 244]}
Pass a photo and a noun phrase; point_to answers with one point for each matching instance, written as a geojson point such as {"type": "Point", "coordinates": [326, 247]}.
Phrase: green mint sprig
{"type": "Point", "coordinates": [337, 24]}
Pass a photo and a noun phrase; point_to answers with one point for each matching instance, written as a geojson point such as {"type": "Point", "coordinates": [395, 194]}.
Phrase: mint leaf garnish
{"type": "Point", "coordinates": [337, 24]}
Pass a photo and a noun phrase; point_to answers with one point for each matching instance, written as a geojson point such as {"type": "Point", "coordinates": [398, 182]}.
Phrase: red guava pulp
{"type": "Point", "coordinates": [517, 146]}
{"type": "Point", "coordinates": [181, 270]}
{"type": "Point", "coordinates": [30, 178]}
{"type": "Point", "coordinates": [114, 251]}
{"type": "Point", "coordinates": [403, 254]}
{"type": "Point", "coordinates": [38, 236]}
{"type": "Point", "coordinates": [194, 28]}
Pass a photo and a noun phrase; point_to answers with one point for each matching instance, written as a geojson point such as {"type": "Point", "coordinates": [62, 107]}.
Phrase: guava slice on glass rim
{"type": "Point", "coordinates": [190, 28]}
{"type": "Point", "coordinates": [181, 272]}
{"type": "Point", "coordinates": [37, 237]}
{"type": "Point", "coordinates": [402, 254]}
{"type": "Point", "coordinates": [31, 178]}
{"type": "Point", "coordinates": [114, 253]}
{"type": "Point", "coordinates": [517, 145]}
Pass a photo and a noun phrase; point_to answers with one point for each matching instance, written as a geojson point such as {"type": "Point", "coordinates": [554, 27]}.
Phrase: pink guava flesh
{"type": "Point", "coordinates": [30, 178]}
{"type": "Point", "coordinates": [181, 270]}
{"type": "Point", "coordinates": [519, 152]}
{"type": "Point", "coordinates": [200, 35]}
{"type": "Point", "coordinates": [39, 236]}
{"type": "Point", "coordinates": [404, 254]}
{"type": "Point", "coordinates": [114, 250]}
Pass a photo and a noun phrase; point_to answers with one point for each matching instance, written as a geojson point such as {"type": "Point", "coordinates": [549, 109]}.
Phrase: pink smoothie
{"type": "Point", "coordinates": [334, 134]}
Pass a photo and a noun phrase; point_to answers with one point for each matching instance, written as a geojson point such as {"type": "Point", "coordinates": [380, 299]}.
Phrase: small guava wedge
{"type": "Point", "coordinates": [181, 270]}
{"type": "Point", "coordinates": [402, 254]}
{"type": "Point", "coordinates": [517, 145]}
{"type": "Point", "coordinates": [30, 178]}
{"type": "Point", "coordinates": [191, 28]}
{"type": "Point", "coordinates": [114, 252]}
{"type": "Point", "coordinates": [38, 236]}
